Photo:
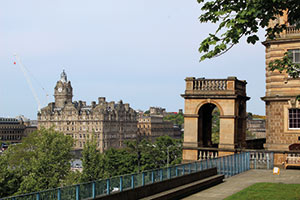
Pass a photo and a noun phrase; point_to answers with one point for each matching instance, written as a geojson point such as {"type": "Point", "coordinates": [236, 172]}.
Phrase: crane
{"type": "Point", "coordinates": [28, 81]}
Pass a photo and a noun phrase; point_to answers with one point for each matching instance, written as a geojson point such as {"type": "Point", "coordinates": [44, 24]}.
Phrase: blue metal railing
{"type": "Point", "coordinates": [227, 165]}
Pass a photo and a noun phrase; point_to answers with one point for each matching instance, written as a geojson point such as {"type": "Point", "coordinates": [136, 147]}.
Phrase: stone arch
{"type": "Point", "coordinates": [201, 97]}
{"type": "Point", "coordinates": [212, 102]}
{"type": "Point", "coordinates": [205, 124]}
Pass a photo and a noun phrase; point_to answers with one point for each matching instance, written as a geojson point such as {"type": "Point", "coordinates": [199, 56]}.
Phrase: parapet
{"type": "Point", "coordinates": [214, 87]}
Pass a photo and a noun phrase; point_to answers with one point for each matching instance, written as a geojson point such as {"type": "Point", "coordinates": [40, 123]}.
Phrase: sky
{"type": "Point", "coordinates": [135, 50]}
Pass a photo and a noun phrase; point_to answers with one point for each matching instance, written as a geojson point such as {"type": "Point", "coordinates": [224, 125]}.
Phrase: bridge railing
{"type": "Point", "coordinates": [227, 165]}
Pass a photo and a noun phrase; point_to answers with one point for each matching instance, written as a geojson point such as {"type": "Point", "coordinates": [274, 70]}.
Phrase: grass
{"type": "Point", "coordinates": [265, 191]}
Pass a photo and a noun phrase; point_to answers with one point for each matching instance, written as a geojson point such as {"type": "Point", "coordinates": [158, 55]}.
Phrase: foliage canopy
{"type": "Point", "coordinates": [238, 18]}
{"type": "Point", "coordinates": [40, 162]}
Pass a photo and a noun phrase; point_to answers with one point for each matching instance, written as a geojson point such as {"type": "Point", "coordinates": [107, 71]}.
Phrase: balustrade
{"type": "Point", "coordinates": [261, 160]}
{"type": "Point", "coordinates": [292, 30]}
{"type": "Point", "coordinates": [292, 159]}
{"type": "Point", "coordinates": [203, 154]}
{"type": "Point", "coordinates": [205, 84]}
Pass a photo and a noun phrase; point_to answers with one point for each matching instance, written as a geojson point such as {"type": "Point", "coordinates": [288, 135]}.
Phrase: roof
{"type": "Point", "coordinates": [8, 120]}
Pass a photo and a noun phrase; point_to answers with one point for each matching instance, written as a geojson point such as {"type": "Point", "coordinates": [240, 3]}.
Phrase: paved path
{"type": "Point", "coordinates": [236, 183]}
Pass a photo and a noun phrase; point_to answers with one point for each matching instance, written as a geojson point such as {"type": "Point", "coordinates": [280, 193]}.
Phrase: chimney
{"type": "Point", "coordinates": [101, 100]}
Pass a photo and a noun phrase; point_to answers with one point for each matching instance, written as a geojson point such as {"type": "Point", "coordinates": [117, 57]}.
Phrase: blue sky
{"type": "Point", "coordinates": [135, 50]}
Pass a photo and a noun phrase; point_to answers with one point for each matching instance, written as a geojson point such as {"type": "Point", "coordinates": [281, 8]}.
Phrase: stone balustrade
{"type": "Point", "coordinates": [209, 84]}
{"type": "Point", "coordinates": [261, 160]}
{"type": "Point", "coordinates": [202, 86]}
{"type": "Point", "coordinates": [292, 30]}
{"type": "Point", "coordinates": [206, 154]}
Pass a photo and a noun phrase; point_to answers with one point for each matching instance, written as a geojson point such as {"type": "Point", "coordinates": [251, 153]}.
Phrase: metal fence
{"type": "Point", "coordinates": [227, 165]}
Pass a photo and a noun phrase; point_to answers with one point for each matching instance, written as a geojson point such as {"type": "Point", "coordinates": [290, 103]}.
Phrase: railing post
{"type": "Point", "coordinates": [268, 160]}
{"type": "Point", "coordinates": [231, 165]}
{"type": "Point", "coordinates": [196, 166]}
{"type": "Point", "coordinates": [93, 189]}
{"type": "Point", "coordinates": [190, 166]}
{"type": "Point", "coordinates": [223, 165]}
{"type": "Point", "coordinates": [77, 192]}
{"type": "Point", "coordinates": [143, 178]}
{"type": "Point", "coordinates": [240, 166]}
{"type": "Point", "coordinates": [176, 171]}
{"type": "Point", "coordinates": [58, 194]}
{"type": "Point", "coordinates": [161, 175]}
{"type": "Point", "coordinates": [272, 159]}
{"type": "Point", "coordinates": [183, 169]}
{"type": "Point", "coordinates": [37, 196]}
{"type": "Point", "coordinates": [121, 183]}
{"type": "Point", "coordinates": [152, 176]}
{"type": "Point", "coordinates": [169, 172]}
{"type": "Point", "coordinates": [219, 165]}
{"type": "Point", "coordinates": [201, 167]}
{"type": "Point", "coordinates": [243, 164]}
{"type": "Point", "coordinates": [206, 164]}
{"type": "Point", "coordinates": [248, 153]}
{"type": "Point", "coordinates": [132, 181]}
{"type": "Point", "coordinates": [227, 166]}
{"type": "Point", "coordinates": [255, 157]}
{"type": "Point", "coordinates": [107, 186]}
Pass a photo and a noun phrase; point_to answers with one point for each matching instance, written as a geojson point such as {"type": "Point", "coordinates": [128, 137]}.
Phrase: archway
{"type": "Point", "coordinates": [208, 125]}
{"type": "Point", "coordinates": [202, 96]}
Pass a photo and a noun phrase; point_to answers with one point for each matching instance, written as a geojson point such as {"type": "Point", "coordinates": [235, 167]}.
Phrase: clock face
{"type": "Point", "coordinates": [59, 89]}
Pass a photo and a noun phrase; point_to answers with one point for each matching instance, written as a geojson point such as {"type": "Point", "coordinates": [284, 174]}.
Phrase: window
{"type": "Point", "coordinates": [294, 118]}
{"type": "Point", "coordinates": [295, 55]}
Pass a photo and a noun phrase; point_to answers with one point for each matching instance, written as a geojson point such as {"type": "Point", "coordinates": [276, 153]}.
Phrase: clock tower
{"type": "Point", "coordinates": [63, 91]}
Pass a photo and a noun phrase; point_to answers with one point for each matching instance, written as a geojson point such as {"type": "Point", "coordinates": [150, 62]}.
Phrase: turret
{"type": "Point", "coordinates": [63, 91]}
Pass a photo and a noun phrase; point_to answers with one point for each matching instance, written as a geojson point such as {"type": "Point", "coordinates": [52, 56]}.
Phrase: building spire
{"type": "Point", "coordinates": [63, 77]}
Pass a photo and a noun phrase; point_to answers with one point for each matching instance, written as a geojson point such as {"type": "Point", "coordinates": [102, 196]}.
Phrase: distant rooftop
{"type": "Point", "coordinates": [9, 120]}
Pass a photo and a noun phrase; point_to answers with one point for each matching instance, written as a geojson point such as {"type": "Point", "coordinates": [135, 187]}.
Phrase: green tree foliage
{"type": "Point", "coordinates": [40, 162]}
{"type": "Point", "coordinates": [286, 64]}
{"type": "Point", "coordinates": [155, 155]}
{"type": "Point", "coordinates": [215, 130]}
{"type": "Point", "coordinates": [119, 162]}
{"type": "Point", "coordinates": [92, 162]}
{"type": "Point", "coordinates": [238, 18]}
{"type": "Point", "coordinates": [177, 119]}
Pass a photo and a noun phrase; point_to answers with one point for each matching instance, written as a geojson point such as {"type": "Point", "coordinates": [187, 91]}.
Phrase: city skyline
{"type": "Point", "coordinates": [136, 51]}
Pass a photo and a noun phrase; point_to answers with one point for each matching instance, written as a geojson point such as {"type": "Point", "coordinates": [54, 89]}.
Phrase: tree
{"type": "Point", "coordinates": [40, 162]}
{"type": "Point", "coordinates": [119, 162]}
{"type": "Point", "coordinates": [215, 129]}
{"type": "Point", "coordinates": [92, 162]}
{"type": "Point", "coordinates": [168, 151]}
{"type": "Point", "coordinates": [238, 18]}
{"type": "Point", "coordinates": [177, 119]}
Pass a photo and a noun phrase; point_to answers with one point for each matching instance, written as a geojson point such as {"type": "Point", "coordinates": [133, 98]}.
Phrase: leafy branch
{"type": "Point", "coordinates": [238, 18]}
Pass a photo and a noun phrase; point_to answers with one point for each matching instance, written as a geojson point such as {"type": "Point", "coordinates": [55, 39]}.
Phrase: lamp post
{"type": "Point", "coordinates": [168, 155]}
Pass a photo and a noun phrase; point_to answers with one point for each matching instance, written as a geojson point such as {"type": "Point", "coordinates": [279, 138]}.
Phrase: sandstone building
{"type": "Point", "coordinates": [282, 108]}
{"type": "Point", "coordinates": [109, 123]}
{"type": "Point", "coordinates": [12, 130]}
{"type": "Point", "coordinates": [256, 127]}
{"type": "Point", "coordinates": [151, 127]}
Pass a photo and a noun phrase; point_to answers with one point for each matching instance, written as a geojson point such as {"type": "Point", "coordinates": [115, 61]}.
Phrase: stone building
{"type": "Point", "coordinates": [12, 130]}
{"type": "Point", "coordinates": [157, 111]}
{"type": "Point", "coordinates": [109, 123]}
{"type": "Point", "coordinates": [282, 108]}
{"type": "Point", "coordinates": [151, 127]}
{"type": "Point", "coordinates": [256, 127]}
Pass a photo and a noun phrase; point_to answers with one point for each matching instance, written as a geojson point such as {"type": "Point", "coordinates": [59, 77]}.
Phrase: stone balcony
{"type": "Point", "coordinates": [214, 87]}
